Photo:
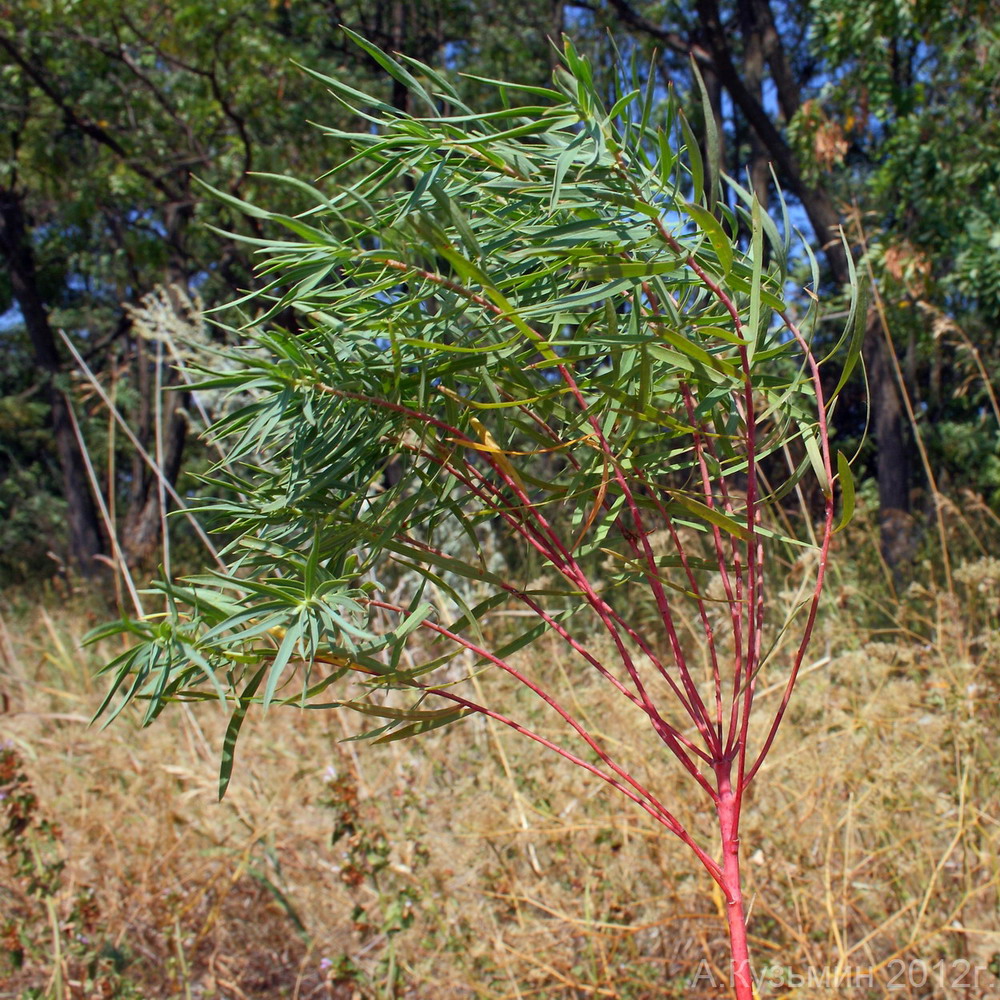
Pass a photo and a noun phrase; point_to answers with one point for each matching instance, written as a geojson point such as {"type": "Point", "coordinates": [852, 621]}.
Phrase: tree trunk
{"type": "Point", "coordinates": [558, 23]}
{"type": "Point", "coordinates": [753, 72]}
{"type": "Point", "coordinates": [891, 454]}
{"type": "Point", "coordinates": [84, 527]}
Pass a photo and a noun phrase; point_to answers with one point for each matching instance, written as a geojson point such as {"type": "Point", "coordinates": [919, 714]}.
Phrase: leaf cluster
{"type": "Point", "coordinates": [526, 318]}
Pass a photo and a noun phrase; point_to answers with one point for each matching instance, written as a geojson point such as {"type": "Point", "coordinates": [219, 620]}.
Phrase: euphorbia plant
{"type": "Point", "coordinates": [528, 319]}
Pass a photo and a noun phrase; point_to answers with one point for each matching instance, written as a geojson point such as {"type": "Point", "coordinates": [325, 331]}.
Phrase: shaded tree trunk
{"type": "Point", "coordinates": [400, 92]}
{"type": "Point", "coordinates": [891, 454]}
{"type": "Point", "coordinates": [558, 21]}
{"type": "Point", "coordinates": [753, 72]}
{"type": "Point", "coordinates": [85, 541]}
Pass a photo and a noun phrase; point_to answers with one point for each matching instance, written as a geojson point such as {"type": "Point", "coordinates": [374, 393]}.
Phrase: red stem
{"type": "Point", "coordinates": [550, 546]}
{"type": "Point", "coordinates": [754, 553]}
{"type": "Point", "coordinates": [534, 527]}
{"type": "Point", "coordinates": [664, 730]}
{"type": "Point", "coordinates": [707, 628]}
{"type": "Point", "coordinates": [728, 810]}
{"type": "Point", "coordinates": [665, 816]}
{"type": "Point", "coordinates": [651, 805]}
{"type": "Point", "coordinates": [697, 709]}
{"type": "Point", "coordinates": [701, 716]}
{"type": "Point", "coordinates": [735, 603]}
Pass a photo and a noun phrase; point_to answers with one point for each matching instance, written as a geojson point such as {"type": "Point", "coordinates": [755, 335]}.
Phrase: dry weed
{"type": "Point", "coordinates": [469, 864]}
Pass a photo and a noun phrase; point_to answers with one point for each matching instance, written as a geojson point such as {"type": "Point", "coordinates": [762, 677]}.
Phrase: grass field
{"type": "Point", "coordinates": [471, 864]}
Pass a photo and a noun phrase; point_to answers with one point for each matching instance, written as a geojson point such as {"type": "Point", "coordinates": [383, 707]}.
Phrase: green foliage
{"type": "Point", "coordinates": [924, 126]}
{"type": "Point", "coordinates": [30, 506]}
{"type": "Point", "coordinates": [27, 507]}
{"type": "Point", "coordinates": [939, 180]}
{"type": "Point", "coordinates": [903, 128]}
{"type": "Point", "coordinates": [529, 317]}
{"type": "Point", "coordinates": [113, 109]}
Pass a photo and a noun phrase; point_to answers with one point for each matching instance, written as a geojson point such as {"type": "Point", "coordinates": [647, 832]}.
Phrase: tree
{"type": "Point", "coordinates": [842, 99]}
{"type": "Point", "coordinates": [533, 313]}
{"type": "Point", "coordinates": [113, 109]}
{"type": "Point", "coordinates": [108, 121]}
{"type": "Point", "coordinates": [925, 123]}
{"type": "Point", "coordinates": [22, 275]}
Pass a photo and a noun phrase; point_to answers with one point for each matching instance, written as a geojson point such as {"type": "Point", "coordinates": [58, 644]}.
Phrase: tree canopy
{"type": "Point", "coordinates": [880, 118]}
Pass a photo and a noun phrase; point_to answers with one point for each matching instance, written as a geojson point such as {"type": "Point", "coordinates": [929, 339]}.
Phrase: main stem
{"type": "Point", "coordinates": [727, 808]}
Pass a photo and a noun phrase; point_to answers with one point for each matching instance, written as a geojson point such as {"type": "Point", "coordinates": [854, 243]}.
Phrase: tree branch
{"type": "Point", "coordinates": [85, 125]}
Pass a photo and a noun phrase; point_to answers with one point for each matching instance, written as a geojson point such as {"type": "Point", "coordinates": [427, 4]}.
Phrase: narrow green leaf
{"type": "Point", "coordinates": [712, 142]}
{"type": "Point", "coordinates": [424, 726]}
{"type": "Point", "coordinates": [753, 331]}
{"type": "Point", "coordinates": [292, 635]}
{"type": "Point", "coordinates": [524, 639]}
{"type": "Point", "coordinates": [815, 457]}
{"type": "Point", "coordinates": [398, 714]}
{"type": "Point", "coordinates": [857, 320]}
{"type": "Point", "coordinates": [695, 164]}
{"type": "Point", "coordinates": [711, 514]}
{"type": "Point", "coordinates": [546, 92]}
{"type": "Point", "coordinates": [564, 161]}
{"type": "Point", "coordinates": [712, 228]}
{"type": "Point", "coordinates": [697, 353]}
{"type": "Point", "coordinates": [621, 268]}
{"type": "Point", "coordinates": [847, 495]}
{"type": "Point", "coordinates": [352, 97]}
{"type": "Point", "coordinates": [648, 98]}
{"type": "Point", "coordinates": [233, 730]}
{"type": "Point", "coordinates": [774, 240]}
{"type": "Point", "coordinates": [622, 104]}
{"type": "Point", "coordinates": [393, 68]}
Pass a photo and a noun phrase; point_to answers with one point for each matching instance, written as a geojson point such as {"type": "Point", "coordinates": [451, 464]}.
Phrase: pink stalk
{"type": "Point", "coordinates": [700, 713]}
{"type": "Point", "coordinates": [649, 804]}
{"type": "Point", "coordinates": [697, 709]}
{"type": "Point", "coordinates": [702, 718]}
{"type": "Point", "coordinates": [668, 733]}
{"type": "Point", "coordinates": [665, 816]}
{"type": "Point", "coordinates": [699, 445]}
{"type": "Point", "coordinates": [729, 799]}
{"type": "Point", "coordinates": [728, 810]}
{"type": "Point", "coordinates": [675, 740]}
{"type": "Point", "coordinates": [735, 601]}
{"type": "Point", "coordinates": [481, 487]}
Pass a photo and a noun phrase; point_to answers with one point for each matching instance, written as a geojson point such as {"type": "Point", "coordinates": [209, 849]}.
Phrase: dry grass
{"type": "Point", "coordinates": [470, 864]}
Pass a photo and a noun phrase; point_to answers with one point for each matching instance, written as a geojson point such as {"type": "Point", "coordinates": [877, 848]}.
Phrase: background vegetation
{"type": "Point", "coordinates": [123, 878]}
